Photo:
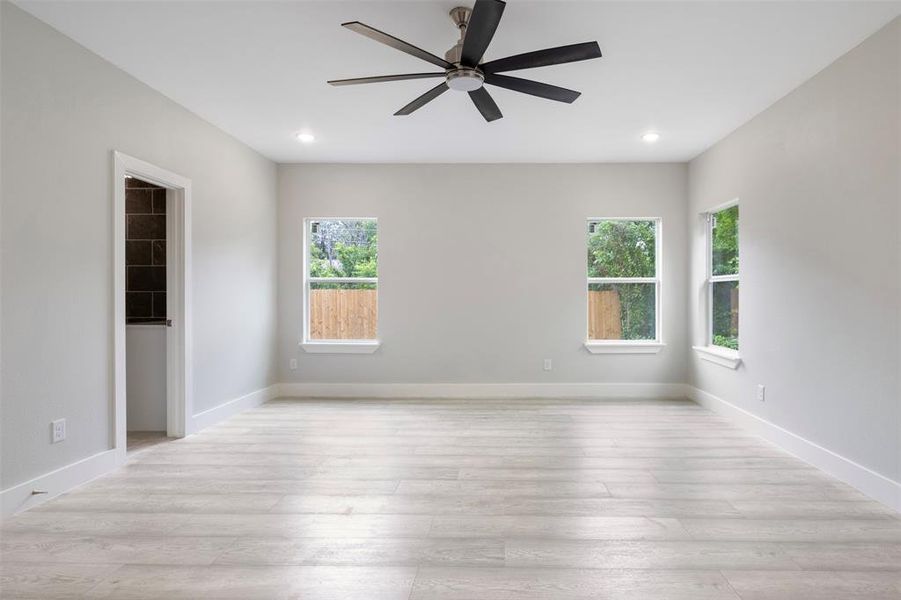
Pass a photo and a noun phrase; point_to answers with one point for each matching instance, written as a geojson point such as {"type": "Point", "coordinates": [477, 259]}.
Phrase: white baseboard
{"type": "Point", "coordinates": [219, 413]}
{"type": "Point", "coordinates": [64, 479]}
{"type": "Point", "coordinates": [482, 390]}
{"type": "Point", "coordinates": [869, 482]}
{"type": "Point", "coordinates": [54, 483]}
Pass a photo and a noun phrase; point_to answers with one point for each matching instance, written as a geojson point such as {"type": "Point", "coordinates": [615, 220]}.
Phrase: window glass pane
{"type": "Point", "coordinates": [343, 311]}
{"type": "Point", "coordinates": [622, 249]}
{"type": "Point", "coordinates": [622, 311]}
{"type": "Point", "coordinates": [725, 314]}
{"type": "Point", "coordinates": [724, 241]}
{"type": "Point", "coordinates": [343, 248]}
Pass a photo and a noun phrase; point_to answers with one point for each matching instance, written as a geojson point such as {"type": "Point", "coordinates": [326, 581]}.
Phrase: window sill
{"type": "Point", "coordinates": [624, 347]}
{"type": "Point", "coordinates": [721, 356]}
{"type": "Point", "coordinates": [350, 347]}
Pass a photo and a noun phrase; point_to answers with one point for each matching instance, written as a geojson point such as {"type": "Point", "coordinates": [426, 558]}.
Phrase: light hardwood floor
{"type": "Point", "coordinates": [478, 500]}
{"type": "Point", "coordinates": [138, 441]}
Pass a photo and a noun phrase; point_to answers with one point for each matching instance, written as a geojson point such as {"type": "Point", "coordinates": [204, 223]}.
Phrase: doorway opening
{"type": "Point", "coordinates": [152, 375]}
{"type": "Point", "coordinates": [146, 314]}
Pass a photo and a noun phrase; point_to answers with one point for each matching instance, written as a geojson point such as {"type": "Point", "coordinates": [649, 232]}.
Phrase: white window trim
{"type": "Point", "coordinates": [342, 347]}
{"type": "Point", "coordinates": [633, 346]}
{"type": "Point", "coordinates": [719, 355]}
{"type": "Point", "coordinates": [331, 346]}
{"type": "Point", "coordinates": [624, 347]}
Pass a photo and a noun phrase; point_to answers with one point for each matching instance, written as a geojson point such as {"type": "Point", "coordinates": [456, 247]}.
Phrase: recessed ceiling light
{"type": "Point", "coordinates": [650, 137]}
{"type": "Point", "coordinates": [305, 137]}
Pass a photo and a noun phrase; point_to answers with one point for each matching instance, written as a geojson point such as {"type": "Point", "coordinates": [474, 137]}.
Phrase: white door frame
{"type": "Point", "coordinates": [179, 376]}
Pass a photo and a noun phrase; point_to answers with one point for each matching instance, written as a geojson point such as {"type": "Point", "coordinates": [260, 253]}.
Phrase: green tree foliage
{"type": "Point", "coordinates": [725, 325]}
{"type": "Point", "coordinates": [725, 242]}
{"type": "Point", "coordinates": [726, 341]}
{"type": "Point", "coordinates": [627, 249]}
{"type": "Point", "coordinates": [344, 249]}
{"type": "Point", "coordinates": [622, 249]}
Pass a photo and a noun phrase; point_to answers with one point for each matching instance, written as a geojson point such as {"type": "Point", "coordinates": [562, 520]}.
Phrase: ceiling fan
{"type": "Point", "coordinates": [463, 69]}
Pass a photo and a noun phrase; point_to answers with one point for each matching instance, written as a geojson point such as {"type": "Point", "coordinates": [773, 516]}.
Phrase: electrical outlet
{"type": "Point", "coordinates": [292, 364]}
{"type": "Point", "coordinates": [761, 393]}
{"type": "Point", "coordinates": [58, 430]}
{"type": "Point", "coordinates": [548, 364]}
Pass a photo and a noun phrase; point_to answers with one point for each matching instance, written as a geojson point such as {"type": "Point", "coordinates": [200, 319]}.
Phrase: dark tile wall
{"type": "Point", "coordinates": [145, 252]}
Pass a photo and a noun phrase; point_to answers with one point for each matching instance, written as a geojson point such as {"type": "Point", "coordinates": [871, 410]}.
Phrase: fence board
{"type": "Point", "coordinates": [343, 314]}
{"type": "Point", "coordinates": [604, 315]}
{"type": "Point", "coordinates": [734, 309]}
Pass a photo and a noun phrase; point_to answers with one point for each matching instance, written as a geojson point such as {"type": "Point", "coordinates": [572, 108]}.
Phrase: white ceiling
{"type": "Point", "coordinates": [693, 71]}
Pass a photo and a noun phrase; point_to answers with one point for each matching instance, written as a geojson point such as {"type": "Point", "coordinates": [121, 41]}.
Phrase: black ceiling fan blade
{"type": "Point", "coordinates": [535, 88]}
{"type": "Point", "coordinates": [423, 100]}
{"type": "Point", "coordinates": [486, 15]}
{"type": "Point", "coordinates": [486, 105]}
{"type": "Point", "coordinates": [544, 58]}
{"type": "Point", "coordinates": [397, 44]}
{"type": "Point", "coordinates": [384, 78]}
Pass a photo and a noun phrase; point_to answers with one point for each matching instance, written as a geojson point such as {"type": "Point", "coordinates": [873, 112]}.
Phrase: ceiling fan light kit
{"type": "Point", "coordinates": [465, 80]}
{"type": "Point", "coordinates": [463, 69]}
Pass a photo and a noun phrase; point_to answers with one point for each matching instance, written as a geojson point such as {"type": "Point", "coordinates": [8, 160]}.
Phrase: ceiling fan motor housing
{"type": "Point", "coordinates": [460, 16]}
{"type": "Point", "coordinates": [461, 79]}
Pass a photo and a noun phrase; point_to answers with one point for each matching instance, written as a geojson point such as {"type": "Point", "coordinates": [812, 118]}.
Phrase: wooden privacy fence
{"type": "Point", "coordinates": [343, 314]}
{"type": "Point", "coordinates": [604, 315]}
{"type": "Point", "coordinates": [352, 314]}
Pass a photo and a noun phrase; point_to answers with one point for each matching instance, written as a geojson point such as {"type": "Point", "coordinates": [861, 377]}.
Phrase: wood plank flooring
{"type": "Point", "coordinates": [453, 500]}
{"type": "Point", "coordinates": [138, 441]}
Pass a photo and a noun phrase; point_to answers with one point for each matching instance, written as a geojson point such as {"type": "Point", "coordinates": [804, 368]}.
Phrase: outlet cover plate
{"type": "Point", "coordinates": [58, 430]}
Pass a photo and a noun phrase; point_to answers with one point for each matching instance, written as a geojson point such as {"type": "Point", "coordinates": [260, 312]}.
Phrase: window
{"type": "Point", "coordinates": [623, 283]}
{"type": "Point", "coordinates": [722, 280]}
{"type": "Point", "coordinates": [340, 284]}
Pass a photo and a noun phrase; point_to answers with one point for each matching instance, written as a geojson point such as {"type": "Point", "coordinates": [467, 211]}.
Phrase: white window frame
{"type": "Point", "coordinates": [632, 346]}
{"type": "Point", "coordinates": [720, 355]}
{"type": "Point", "coordinates": [331, 346]}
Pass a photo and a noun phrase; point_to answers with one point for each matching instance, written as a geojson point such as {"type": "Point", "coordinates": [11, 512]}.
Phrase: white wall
{"type": "Point", "coordinates": [145, 377]}
{"type": "Point", "coordinates": [64, 110]}
{"type": "Point", "coordinates": [818, 179]}
{"type": "Point", "coordinates": [482, 269]}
